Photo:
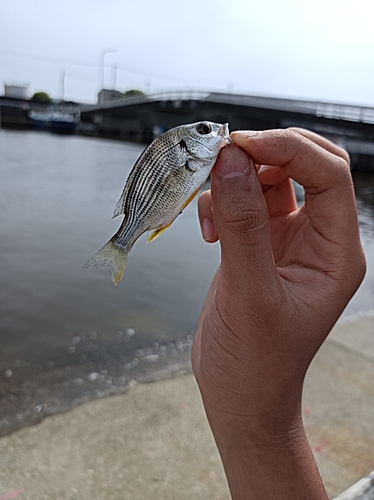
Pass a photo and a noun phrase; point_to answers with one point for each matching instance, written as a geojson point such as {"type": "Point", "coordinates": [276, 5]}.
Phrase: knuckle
{"type": "Point", "coordinates": [295, 130]}
{"type": "Point", "coordinates": [345, 156]}
{"type": "Point", "coordinates": [249, 220]}
{"type": "Point", "coordinates": [342, 173]}
{"type": "Point", "coordinates": [342, 162]}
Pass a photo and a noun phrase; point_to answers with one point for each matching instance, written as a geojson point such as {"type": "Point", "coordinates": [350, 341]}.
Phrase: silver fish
{"type": "Point", "coordinates": [164, 180]}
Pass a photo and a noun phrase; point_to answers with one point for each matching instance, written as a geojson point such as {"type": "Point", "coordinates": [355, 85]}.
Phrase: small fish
{"type": "Point", "coordinates": [164, 180]}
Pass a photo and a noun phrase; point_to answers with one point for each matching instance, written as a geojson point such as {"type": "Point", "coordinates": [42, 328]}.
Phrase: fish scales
{"type": "Point", "coordinates": [142, 180]}
{"type": "Point", "coordinates": [146, 189]}
{"type": "Point", "coordinates": [164, 180]}
{"type": "Point", "coordinates": [168, 157]}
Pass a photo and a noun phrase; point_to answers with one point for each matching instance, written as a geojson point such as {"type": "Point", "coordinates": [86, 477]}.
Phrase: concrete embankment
{"type": "Point", "coordinates": [154, 441]}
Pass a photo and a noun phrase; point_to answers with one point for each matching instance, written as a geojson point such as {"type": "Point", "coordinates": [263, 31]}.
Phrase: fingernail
{"type": "Point", "coordinates": [232, 162]}
{"type": "Point", "coordinates": [245, 133]}
{"type": "Point", "coordinates": [207, 229]}
{"type": "Point", "coordinates": [242, 137]}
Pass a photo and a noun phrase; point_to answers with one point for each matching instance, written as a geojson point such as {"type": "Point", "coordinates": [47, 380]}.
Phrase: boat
{"type": "Point", "coordinates": [54, 121]}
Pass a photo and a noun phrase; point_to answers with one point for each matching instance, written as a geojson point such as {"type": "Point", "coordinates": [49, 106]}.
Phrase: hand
{"type": "Point", "coordinates": [286, 274]}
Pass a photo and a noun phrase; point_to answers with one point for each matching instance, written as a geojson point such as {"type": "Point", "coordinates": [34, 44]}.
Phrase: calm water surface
{"type": "Point", "coordinates": [68, 333]}
{"type": "Point", "coordinates": [57, 198]}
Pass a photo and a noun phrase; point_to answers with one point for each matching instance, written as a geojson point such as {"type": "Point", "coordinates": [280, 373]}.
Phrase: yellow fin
{"type": "Point", "coordinates": [191, 198]}
{"type": "Point", "coordinates": [156, 232]}
{"type": "Point", "coordinates": [113, 256]}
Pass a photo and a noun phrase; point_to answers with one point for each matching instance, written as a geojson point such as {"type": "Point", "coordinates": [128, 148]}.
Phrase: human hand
{"type": "Point", "coordinates": [286, 274]}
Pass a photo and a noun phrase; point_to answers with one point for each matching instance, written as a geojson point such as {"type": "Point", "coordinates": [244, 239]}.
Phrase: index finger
{"type": "Point", "coordinates": [323, 142]}
{"type": "Point", "coordinates": [325, 176]}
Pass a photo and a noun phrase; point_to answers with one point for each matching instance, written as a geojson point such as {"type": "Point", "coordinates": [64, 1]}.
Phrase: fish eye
{"type": "Point", "coordinates": [204, 128]}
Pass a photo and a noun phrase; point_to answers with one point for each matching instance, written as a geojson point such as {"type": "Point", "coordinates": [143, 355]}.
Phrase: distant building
{"type": "Point", "coordinates": [15, 91]}
{"type": "Point", "coordinates": [108, 95]}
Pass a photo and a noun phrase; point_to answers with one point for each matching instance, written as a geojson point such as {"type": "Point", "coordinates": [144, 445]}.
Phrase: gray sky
{"type": "Point", "coordinates": [313, 49]}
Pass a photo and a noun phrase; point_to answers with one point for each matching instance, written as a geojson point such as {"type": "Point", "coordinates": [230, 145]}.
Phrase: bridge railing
{"type": "Point", "coordinates": [180, 95]}
{"type": "Point", "coordinates": [345, 112]}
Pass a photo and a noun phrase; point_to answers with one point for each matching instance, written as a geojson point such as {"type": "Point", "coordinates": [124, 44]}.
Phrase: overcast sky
{"type": "Point", "coordinates": [313, 49]}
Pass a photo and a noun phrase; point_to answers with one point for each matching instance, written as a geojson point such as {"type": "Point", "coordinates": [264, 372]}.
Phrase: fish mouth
{"type": "Point", "coordinates": [224, 132]}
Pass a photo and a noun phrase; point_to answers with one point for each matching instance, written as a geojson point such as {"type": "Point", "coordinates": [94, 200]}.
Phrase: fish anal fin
{"type": "Point", "coordinates": [156, 232]}
{"type": "Point", "coordinates": [188, 201]}
{"type": "Point", "coordinates": [159, 230]}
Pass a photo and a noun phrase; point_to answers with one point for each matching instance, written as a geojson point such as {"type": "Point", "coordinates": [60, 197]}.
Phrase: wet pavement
{"type": "Point", "coordinates": [154, 441]}
{"type": "Point", "coordinates": [92, 367]}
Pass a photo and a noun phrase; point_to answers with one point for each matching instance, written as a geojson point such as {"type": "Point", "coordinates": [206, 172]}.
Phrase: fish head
{"type": "Point", "coordinates": [203, 140]}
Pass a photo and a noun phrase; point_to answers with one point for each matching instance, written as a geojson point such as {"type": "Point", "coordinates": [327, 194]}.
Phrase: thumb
{"type": "Point", "coordinates": [242, 222]}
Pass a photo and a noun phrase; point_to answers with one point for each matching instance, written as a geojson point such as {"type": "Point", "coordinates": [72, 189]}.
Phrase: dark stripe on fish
{"type": "Point", "coordinates": [140, 184]}
{"type": "Point", "coordinates": [141, 174]}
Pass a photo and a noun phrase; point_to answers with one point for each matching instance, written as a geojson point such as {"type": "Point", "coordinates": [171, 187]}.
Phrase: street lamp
{"type": "Point", "coordinates": [102, 64]}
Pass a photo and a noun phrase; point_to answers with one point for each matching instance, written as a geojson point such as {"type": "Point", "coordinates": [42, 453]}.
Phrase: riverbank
{"type": "Point", "coordinates": [154, 441]}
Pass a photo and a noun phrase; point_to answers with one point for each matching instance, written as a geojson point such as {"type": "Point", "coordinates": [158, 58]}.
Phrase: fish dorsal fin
{"type": "Point", "coordinates": [119, 209]}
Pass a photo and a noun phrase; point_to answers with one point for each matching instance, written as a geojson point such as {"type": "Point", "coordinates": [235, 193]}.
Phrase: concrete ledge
{"type": "Point", "coordinates": [362, 490]}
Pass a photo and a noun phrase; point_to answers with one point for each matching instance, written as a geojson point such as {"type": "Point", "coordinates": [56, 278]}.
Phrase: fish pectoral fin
{"type": "Point", "coordinates": [190, 166]}
{"type": "Point", "coordinates": [152, 235]}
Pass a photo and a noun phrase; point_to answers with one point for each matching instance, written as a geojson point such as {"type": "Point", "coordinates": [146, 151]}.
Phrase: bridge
{"type": "Point", "coordinates": [144, 117]}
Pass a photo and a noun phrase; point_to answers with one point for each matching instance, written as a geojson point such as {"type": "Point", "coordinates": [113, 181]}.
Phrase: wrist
{"type": "Point", "coordinates": [267, 428]}
{"type": "Point", "coordinates": [258, 414]}
{"type": "Point", "coordinates": [272, 463]}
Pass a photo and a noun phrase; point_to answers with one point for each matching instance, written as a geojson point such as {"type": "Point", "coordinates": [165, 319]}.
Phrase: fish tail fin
{"type": "Point", "coordinates": [113, 256]}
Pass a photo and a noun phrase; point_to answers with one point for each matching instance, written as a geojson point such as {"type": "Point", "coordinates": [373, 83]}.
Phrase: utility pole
{"type": "Point", "coordinates": [62, 85]}
{"type": "Point", "coordinates": [102, 66]}
{"type": "Point", "coordinates": [114, 76]}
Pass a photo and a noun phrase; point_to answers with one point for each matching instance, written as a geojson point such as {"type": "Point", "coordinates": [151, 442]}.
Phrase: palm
{"type": "Point", "coordinates": [298, 242]}
{"type": "Point", "coordinates": [289, 233]}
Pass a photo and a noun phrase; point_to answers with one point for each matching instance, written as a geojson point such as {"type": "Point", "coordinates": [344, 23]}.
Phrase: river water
{"type": "Point", "coordinates": [68, 334]}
